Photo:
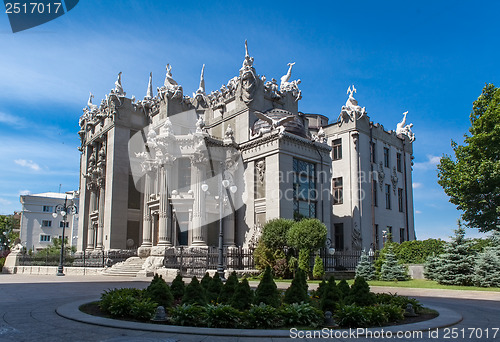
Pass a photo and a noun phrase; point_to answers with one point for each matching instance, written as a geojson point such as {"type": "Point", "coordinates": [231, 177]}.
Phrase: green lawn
{"type": "Point", "coordinates": [414, 283]}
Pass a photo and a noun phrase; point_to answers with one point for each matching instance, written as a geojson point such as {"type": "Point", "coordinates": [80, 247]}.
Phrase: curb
{"type": "Point", "coordinates": [71, 311]}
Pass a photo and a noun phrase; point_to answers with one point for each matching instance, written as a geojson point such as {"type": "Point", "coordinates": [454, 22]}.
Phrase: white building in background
{"type": "Point", "coordinates": [38, 226]}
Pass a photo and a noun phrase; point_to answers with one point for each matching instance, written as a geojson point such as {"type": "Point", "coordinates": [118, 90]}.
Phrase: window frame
{"type": "Point", "coordinates": [50, 208]}
{"type": "Point", "coordinates": [337, 149]}
{"type": "Point", "coordinates": [388, 196]}
{"type": "Point", "coordinates": [338, 191]}
{"type": "Point", "coordinates": [399, 163]}
{"type": "Point", "coordinates": [309, 178]}
{"type": "Point", "coordinates": [400, 200]}
{"type": "Point", "coordinates": [387, 157]}
{"type": "Point", "coordinates": [44, 225]}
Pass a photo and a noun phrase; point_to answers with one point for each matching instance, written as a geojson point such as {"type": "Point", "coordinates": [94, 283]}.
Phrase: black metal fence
{"type": "Point", "coordinates": [341, 260]}
{"type": "Point", "coordinates": [80, 259]}
{"type": "Point", "coordinates": [196, 261]}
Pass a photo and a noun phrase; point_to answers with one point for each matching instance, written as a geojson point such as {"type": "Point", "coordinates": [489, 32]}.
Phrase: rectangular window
{"type": "Point", "coordinates": [61, 224]}
{"type": "Point", "coordinates": [376, 236]}
{"type": "Point", "coordinates": [304, 189]}
{"type": "Point", "coordinates": [337, 149]}
{"type": "Point", "coordinates": [387, 196]}
{"type": "Point", "coordinates": [401, 235]}
{"type": "Point", "coordinates": [389, 234]}
{"type": "Point", "coordinates": [48, 209]}
{"type": "Point", "coordinates": [339, 236]}
{"type": "Point", "coordinates": [386, 157]}
{"type": "Point", "coordinates": [337, 191]}
{"type": "Point", "coordinates": [400, 200]}
{"type": "Point", "coordinates": [184, 173]}
{"type": "Point", "coordinates": [375, 201]}
{"type": "Point", "coordinates": [398, 162]}
{"type": "Point", "coordinates": [44, 238]}
{"type": "Point", "coordinates": [373, 153]}
{"type": "Point", "coordinates": [46, 223]}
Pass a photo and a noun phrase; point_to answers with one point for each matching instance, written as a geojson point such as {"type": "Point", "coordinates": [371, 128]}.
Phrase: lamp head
{"type": "Point", "coordinates": [54, 215]}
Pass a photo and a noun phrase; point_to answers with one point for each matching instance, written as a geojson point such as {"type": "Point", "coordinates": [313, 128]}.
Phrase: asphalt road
{"type": "Point", "coordinates": [28, 303]}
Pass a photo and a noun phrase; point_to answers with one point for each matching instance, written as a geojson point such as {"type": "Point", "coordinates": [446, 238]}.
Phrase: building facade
{"type": "Point", "coordinates": [170, 169]}
{"type": "Point", "coordinates": [38, 227]}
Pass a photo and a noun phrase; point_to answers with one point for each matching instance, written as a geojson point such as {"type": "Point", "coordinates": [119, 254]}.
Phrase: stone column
{"type": "Point", "coordinates": [90, 228]}
{"type": "Point", "coordinates": [146, 223]}
{"type": "Point", "coordinates": [228, 224]}
{"type": "Point", "coordinates": [164, 223]}
{"type": "Point", "coordinates": [197, 178]}
{"type": "Point", "coordinates": [100, 225]}
{"type": "Point", "coordinates": [356, 237]}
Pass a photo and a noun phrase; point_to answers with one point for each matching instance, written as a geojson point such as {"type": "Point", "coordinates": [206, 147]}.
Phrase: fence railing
{"type": "Point", "coordinates": [196, 261]}
{"type": "Point", "coordinates": [79, 259]}
{"type": "Point", "coordinates": [340, 260]}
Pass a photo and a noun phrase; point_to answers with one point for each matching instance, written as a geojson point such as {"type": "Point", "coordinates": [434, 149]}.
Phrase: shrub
{"type": "Point", "coordinates": [275, 231]}
{"type": "Point", "coordinates": [194, 293]}
{"type": "Point", "coordinates": [222, 316]}
{"type": "Point", "coordinates": [301, 315]}
{"type": "Point", "coordinates": [143, 309]}
{"type": "Point", "coordinates": [264, 316]}
{"type": "Point", "coordinates": [318, 293]}
{"type": "Point", "coordinates": [243, 296]}
{"type": "Point", "coordinates": [205, 281]}
{"type": "Point", "coordinates": [417, 251]}
{"type": "Point", "coordinates": [187, 314]}
{"type": "Point", "coordinates": [263, 256]}
{"type": "Point", "coordinates": [307, 234]}
{"type": "Point", "coordinates": [297, 291]}
{"type": "Point", "coordinates": [227, 292]}
{"type": "Point", "coordinates": [352, 316]}
{"type": "Point", "coordinates": [214, 288]}
{"type": "Point", "coordinates": [318, 269]}
{"type": "Point", "coordinates": [330, 296]}
{"type": "Point", "coordinates": [457, 264]}
{"type": "Point", "coordinates": [177, 287]}
{"type": "Point", "coordinates": [2, 262]}
{"type": "Point", "coordinates": [399, 301]}
{"type": "Point", "coordinates": [391, 270]}
{"type": "Point", "coordinates": [118, 302]}
{"type": "Point", "coordinates": [377, 315]}
{"type": "Point", "coordinates": [360, 293]}
{"type": "Point", "coordinates": [293, 263]}
{"type": "Point", "coordinates": [159, 292]}
{"type": "Point", "coordinates": [344, 289]}
{"type": "Point", "coordinates": [267, 291]}
{"type": "Point", "coordinates": [280, 268]}
{"type": "Point", "coordinates": [365, 267]}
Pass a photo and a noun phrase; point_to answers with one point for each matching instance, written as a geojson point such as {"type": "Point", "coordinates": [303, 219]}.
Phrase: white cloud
{"type": "Point", "coordinates": [418, 212]}
{"type": "Point", "coordinates": [4, 201]}
{"type": "Point", "coordinates": [24, 192]}
{"type": "Point", "coordinates": [417, 185]}
{"type": "Point", "coordinates": [431, 163]}
{"type": "Point", "coordinates": [11, 120]}
{"type": "Point", "coordinates": [27, 163]}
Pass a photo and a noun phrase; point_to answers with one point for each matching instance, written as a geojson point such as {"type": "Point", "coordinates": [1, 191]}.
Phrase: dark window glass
{"type": "Point", "coordinates": [337, 149]}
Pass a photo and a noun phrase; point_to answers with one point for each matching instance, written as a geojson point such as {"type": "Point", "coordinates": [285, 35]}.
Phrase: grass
{"type": "Point", "coordinates": [413, 283]}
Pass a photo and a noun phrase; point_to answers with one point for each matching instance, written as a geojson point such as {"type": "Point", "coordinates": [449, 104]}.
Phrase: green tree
{"type": "Point", "coordinates": [7, 235]}
{"type": "Point", "coordinates": [243, 296]}
{"type": "Point", "coordinates": [319, 268]}
{"type": "Point", "coordinates": [177, 287]}
{"type": "Point", "coordinates": [159, 292]}
{"type": "Point", "coordinates": [267, 291]}
{"type": "Point", "coordinates": [227, 292]}
{"type": "Point", "coordinates": [472, 180]}
{"type": "Point", "coordinates": [487, 267]}
{"type": "Point", "coordinates": [330, 295]}
{"type": "Point", "coordinates": [430, 267]}
{"type": "Point", "coordinates": [194, 293]}
{"type": "Point", "coordinates": [344, 289]}
{"type": "Point", "coordinates": [365, 267]}
{"type": "Point", "coordinates": [391, 269]}
{"type": "Point", "coordinates": [360, 293]}
{"type": "Point", "coordinates": [214, 288]}
{"type": "Point", "coordinates": [304, 255]}
{"type": "Point", "coordinates": [457, 262]}
{"type": "Point", "coordinates": [205, 281]}
{"type": "Point", "coordinates": [275, 231]}
{"type": "Point", "coordinates": [307, 234]}
{"type": "Point", "coordinates": [297, 291]}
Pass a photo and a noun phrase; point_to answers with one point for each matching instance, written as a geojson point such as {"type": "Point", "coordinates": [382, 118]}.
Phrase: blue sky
{"type": "Point", "coordinates": [429, 58]}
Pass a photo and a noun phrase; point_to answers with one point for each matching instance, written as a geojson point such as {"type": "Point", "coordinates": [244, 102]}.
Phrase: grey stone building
{"type": "Point", "coordinates": [162, 171]}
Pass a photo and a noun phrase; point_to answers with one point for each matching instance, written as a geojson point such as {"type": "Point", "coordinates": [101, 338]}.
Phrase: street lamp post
{"type": "Point", "coordinates": [223, 186]}
{"type": "Point", "coordinates": [64, 210]}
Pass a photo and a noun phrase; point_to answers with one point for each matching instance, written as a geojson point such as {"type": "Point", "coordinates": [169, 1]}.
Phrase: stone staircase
{"type": "Point", "coordinates": [128, 268]}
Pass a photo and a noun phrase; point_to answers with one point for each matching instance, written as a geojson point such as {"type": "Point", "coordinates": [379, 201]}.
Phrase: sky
{"type": "Point", "coordinates": [430, 58]}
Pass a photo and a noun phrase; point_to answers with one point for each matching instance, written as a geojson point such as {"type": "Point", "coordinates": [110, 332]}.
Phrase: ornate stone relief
{"type": "Point", "coordinates": [293, 86]}
{"type": "Point", "coordinates": [394, 179]}
{"type": "Point", "coordinates": [351, 111]}
{"type": "Point", "coordinates": [381, 175]}
{"type": "Point", "coordinates": [260, 166]}
{"type": "Point", "coordinates": [356, 238]}
{"type": "Point", "coordinates": [170, 89]}
{"type": "Point", "coordinates": [320, 137]}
